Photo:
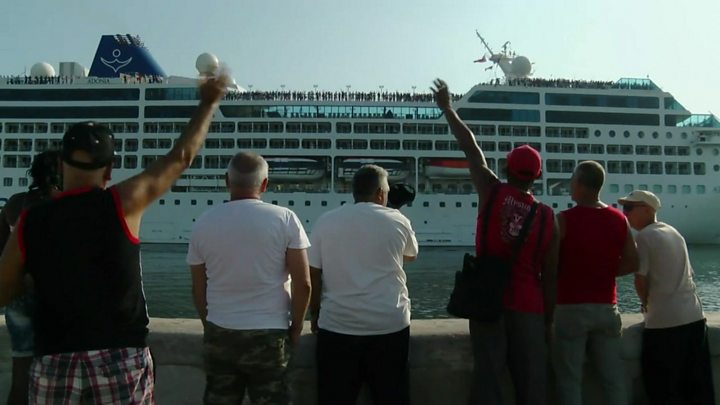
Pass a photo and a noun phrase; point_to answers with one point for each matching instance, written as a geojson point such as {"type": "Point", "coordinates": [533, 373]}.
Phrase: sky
{"type": "Point", "coordinates": [396, 44]}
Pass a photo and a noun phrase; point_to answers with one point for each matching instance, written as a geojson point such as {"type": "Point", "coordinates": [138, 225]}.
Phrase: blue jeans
{"type": "Point", "coordinates": [18, 318]}
{"type": "Point", "coordinates": [594, 329]}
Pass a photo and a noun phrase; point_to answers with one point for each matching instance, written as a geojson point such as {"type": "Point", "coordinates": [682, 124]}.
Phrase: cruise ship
{"type": "Point", "coordinates": [315, 140]}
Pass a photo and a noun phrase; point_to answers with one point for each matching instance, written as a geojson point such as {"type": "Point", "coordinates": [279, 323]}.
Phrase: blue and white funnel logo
{"type": "Point", "coordinates": [123, 54]}
{"type": "Point", "coordinates": [116, 64]}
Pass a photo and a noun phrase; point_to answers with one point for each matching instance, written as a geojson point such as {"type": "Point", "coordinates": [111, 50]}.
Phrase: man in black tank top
{"type": "Point", "coordinates": [83, 253]}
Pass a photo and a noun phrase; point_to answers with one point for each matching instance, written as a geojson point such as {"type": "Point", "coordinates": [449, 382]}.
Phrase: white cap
{"type": "Point", "coordinates": [641, 196]}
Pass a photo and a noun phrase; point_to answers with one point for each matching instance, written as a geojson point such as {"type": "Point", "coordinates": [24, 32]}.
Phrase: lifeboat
{"type": "Point", "coordinates": [397, 169]}
{"type": "Point", "coordinates": [447, 169]}
{"type": "Point", "coordinates": [294, 169]}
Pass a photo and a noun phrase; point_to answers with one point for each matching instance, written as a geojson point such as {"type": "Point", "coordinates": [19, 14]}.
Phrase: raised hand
{"type": "Point", "coordinates": [212, 89]}
{"type": "Point", "coordinates": [442, 94]}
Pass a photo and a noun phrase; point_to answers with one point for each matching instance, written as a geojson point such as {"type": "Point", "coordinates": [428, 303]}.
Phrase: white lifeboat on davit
{"type": "Point", "coordinates": [294, 169]}
{"type": "Point", "coordinates": [447, 169]}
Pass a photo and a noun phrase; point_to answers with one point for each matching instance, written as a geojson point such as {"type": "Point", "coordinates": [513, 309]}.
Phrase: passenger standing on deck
{"type": "Point", "coordinates": [518, 339]}
{"type": "Point", "coordinates": [675, 356]}
{"type": "Point", "coordinates": [596, 246]}
{"type": "Point", "coordinates": [83, 253]}
{"type": "Point", "coordinates": [45, 174]}
{"type": "Point", "coordinates": [243, 256]}
{"type": "Point", "coordinates": [360, 307]}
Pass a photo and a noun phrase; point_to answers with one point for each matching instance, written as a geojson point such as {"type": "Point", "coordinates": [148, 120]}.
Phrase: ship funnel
{"type": "Point", "coordinates": [123, 54]}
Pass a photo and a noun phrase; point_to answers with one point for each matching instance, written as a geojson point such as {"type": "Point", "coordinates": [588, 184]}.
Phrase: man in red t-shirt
{"type": "Point", "coordinates": [517, 340]}
{"type": "Point", "coordinates": [595, 247]}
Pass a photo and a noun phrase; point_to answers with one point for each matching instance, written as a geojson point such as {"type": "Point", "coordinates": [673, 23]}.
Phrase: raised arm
{"type": "Point", "coordinates": [297, 263]}
{"type": "Point", "coordinates": [481, 175]}
{"type": "Point", "coordinates": [139, 191]}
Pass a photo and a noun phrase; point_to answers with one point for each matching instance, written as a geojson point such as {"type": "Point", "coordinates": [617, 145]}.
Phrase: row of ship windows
{"type": "Point", "coordinates": [308, 203]}
{"type": "Point", "coordinates": [483, 96]}
{"type": "Point", "coordinates": [632, 167]}
{"type": "Point", "coordinates": [296, 127]}
{"type": "Point", "coordinates": [551, 165]}
{"type": "Point", "coordinates": [614, 188]}
{"type": "Point", "coordinates": [326, 127]}
{"type": "Point", "coordinates": [132, 145]}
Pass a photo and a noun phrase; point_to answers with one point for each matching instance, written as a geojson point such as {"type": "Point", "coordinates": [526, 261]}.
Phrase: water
{"type": "Point", "coordinates": [430, 280]}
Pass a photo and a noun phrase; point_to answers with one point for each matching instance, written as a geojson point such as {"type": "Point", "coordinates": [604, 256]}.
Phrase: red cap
{"type": "Point", "coordinates": [524, 163]}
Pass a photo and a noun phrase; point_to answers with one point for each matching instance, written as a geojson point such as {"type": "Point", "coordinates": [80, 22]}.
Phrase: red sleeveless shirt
{"type": "Point", "coordinates": [590, 255]}
{"type": "Point", "coordinates": [509, 209]}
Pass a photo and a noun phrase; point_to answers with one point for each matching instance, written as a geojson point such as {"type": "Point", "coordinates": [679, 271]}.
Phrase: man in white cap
{"type": "Point", "coordinates": [673, 313]}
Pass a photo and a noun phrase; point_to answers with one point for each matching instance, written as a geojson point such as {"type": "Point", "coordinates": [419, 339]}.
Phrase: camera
{"type": "Point", "coordinates": [400, 194]}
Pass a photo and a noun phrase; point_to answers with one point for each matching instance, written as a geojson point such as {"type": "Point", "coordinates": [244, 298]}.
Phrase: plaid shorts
{"type": "Point", "coordinates": [109, 376]}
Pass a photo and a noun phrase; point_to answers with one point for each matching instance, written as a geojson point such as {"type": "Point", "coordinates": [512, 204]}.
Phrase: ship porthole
{"type": "Point", "coordinates": [612, 134]}
{"type": "Point", "coordinates": [655, 135]}
{"type": "Point", "coordinates": [668, 135]}
{"type": "Point", "coordinates": [684, 135]}
{"type": "Point", "coordinates": [716, 151]}
{"type": "Point", "coordinates": [698, 151]}
{"type": "Point", "coordinates": [597, 132]}
{"type": "Point", "coordinates": [716, 168]}
{"type": "Point", "coordinates": [641, 134]}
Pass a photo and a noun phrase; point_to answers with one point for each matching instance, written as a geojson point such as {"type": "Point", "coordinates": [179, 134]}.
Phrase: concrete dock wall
{"type": "Point", "coordinates": [440, 362]}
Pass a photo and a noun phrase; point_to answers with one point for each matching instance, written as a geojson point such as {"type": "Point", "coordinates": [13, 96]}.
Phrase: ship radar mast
{"type": "Point", "coordinates": [513, 66]}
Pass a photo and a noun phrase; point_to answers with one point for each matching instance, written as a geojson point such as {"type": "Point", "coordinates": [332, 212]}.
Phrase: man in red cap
{"type": "Point", "coordinates": [518, 338]}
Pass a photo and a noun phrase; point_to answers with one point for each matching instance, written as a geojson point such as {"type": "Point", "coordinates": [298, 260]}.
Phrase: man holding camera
{"type": "Point", "coordinates": [360, 307]}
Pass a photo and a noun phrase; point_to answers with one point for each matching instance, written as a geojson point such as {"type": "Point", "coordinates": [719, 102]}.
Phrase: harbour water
{"type": "Point", "coordinates": [430, 279]}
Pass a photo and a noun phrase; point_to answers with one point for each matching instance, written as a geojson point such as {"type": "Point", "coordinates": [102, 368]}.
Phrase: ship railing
{"type": "Point", "coordinates": [372, 96]}
{"type": "Point", "coordinates": [60, 80]}
{"type": "Point", "coordinates": [629, 84]}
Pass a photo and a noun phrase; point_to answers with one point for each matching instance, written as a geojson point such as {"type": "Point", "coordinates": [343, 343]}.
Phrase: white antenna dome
{"type": "Point", "coordinates": [521, 66]}
{"type": "Point", "coordinates": [42, 69]}
{"type": "Point", "coordinates": [207, 64]}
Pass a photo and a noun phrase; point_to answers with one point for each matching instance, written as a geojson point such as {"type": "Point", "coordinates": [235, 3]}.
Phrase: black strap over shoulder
{"type": "Point", "coordinates": [523, 232]}
{"type": "Point", "coordinates": [486, 221]}
{"type": "Point", "coordinates": [486, 217]}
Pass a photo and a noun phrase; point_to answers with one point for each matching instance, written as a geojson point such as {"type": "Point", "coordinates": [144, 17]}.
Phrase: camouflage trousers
{"type": "Point", "coordinates": [240, 360]}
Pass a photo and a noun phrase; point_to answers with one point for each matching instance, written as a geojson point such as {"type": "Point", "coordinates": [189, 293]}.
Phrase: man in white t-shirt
{"type": "Point", "coordinates": [675, 355]}
{"type": "Point", "coordinates": [243, 256]}
{"type": "Point", "coordinates": [360, 307]}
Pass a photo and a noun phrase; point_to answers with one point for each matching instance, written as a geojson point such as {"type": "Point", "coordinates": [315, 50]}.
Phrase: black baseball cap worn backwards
{"type": "Point", "coordinates": [94, 139]}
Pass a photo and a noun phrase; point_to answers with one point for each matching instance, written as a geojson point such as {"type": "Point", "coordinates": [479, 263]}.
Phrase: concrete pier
{"type": "Point", "coordinates": [440, 362]}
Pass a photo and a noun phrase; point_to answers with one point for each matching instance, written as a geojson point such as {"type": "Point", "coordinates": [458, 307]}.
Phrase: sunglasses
{"type": "Point", "coordinates": [629, 207]}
